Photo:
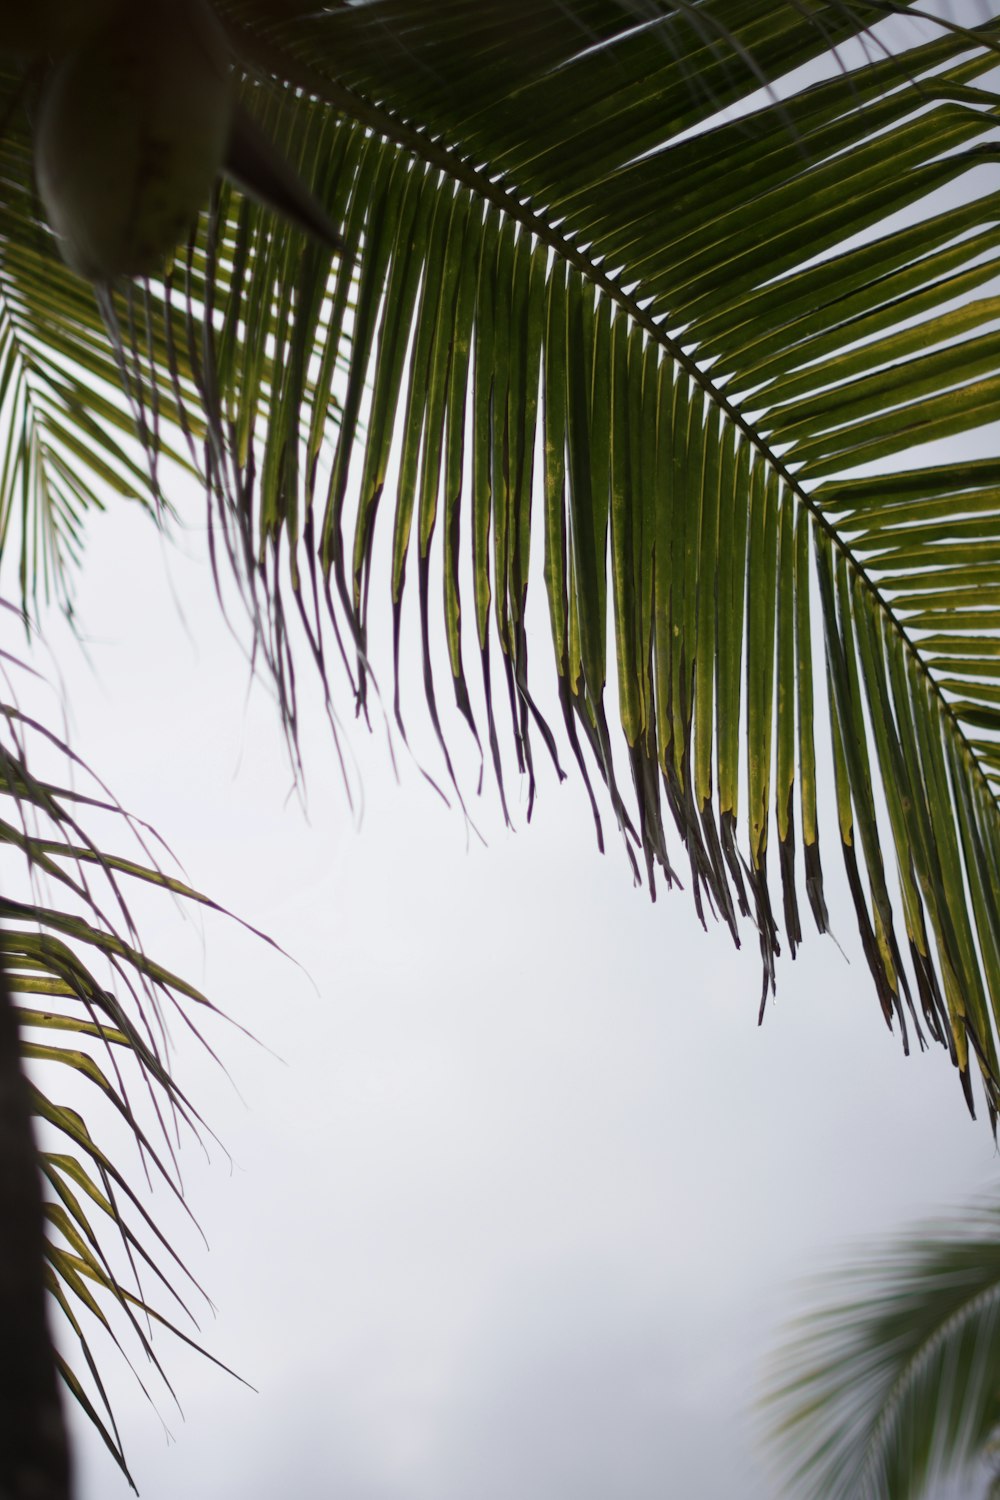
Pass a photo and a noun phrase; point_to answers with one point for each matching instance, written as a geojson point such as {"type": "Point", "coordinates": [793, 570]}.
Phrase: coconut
{"type": "Point", "coordinates": [48, 28]}
{"type": "Point", "coordinates": [131, 131]}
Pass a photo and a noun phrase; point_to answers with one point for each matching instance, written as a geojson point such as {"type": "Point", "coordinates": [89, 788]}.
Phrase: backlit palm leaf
{"type": "Point", "coordinates": [669, 349]}
{"type": "Point", "coordinates": [895, 1381]}
{"type": "Point", "coordinates": [697, 359]}
{"type": "Point", "coordinates": [109, 1034]}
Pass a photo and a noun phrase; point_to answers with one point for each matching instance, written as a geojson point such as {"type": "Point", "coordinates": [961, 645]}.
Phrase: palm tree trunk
{"type": "Point", "coordinates": [34, 1455]}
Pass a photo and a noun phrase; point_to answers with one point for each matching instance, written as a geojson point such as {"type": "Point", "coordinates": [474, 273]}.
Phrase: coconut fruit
{"type": "Point", "coordinates": [49, 28]}
{"type": "Point", "coordinates": [131, 131]}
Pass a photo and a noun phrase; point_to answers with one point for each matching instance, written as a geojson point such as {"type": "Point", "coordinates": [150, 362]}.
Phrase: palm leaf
{"type": "Point", "coordinates": [895, 1381]}
{"type": "Point", "coordinates": [109, 1035]}
{"type": "Point", "coordinates": [698, 357]}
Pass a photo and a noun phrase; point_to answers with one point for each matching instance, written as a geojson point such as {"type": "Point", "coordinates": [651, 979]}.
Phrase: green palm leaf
{"type": "Point", "coordinates": [895, 1381]}
{"type": "Point", "coordinates": [109, 1034]}
{"type": "Point", "coordinates": [698, 358]}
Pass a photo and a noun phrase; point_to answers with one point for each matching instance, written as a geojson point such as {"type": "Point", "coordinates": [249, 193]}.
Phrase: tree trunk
{"type": "Point", "coordinates": [34, 1455]}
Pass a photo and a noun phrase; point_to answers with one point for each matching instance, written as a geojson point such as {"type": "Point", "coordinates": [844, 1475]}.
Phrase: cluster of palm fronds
{"type": "Point", "coordinates": [658, 313]}
{"type": "Point", "coordinates": [711, 352]}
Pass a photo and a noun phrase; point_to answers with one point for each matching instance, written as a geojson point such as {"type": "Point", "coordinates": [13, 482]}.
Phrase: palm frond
{"type": "Point", "coordinates": [894, 1382]}
{"type": "Point", "coordinates": [682, 296]}
{"type": "Point", "coordinates": [102, 1243]}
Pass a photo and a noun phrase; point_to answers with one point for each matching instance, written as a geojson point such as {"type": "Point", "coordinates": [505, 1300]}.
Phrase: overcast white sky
{"type": "Point", "coordinates": [525, 1200]}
